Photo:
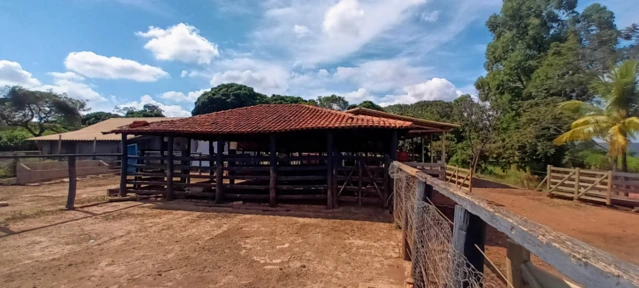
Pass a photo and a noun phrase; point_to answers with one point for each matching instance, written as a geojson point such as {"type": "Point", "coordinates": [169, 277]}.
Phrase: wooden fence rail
{"type": "Point", "coordinates": [461, 177]}
{"type": "Point", "coordinates": [579, 262]}
{"type": "Point", "coordinates": [608, 187]}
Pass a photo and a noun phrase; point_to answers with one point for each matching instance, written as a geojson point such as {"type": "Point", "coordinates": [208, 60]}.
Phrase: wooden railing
{"type": "Point", "coordinates": [607, 187]}
{"type": "Point", "coordinates": [585, 265]}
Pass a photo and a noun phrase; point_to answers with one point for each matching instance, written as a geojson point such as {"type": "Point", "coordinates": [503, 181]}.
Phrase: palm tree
{"type": "Point", "coordinates": [614, 116]}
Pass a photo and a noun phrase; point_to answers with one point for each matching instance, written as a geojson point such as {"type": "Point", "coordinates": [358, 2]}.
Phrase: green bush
{"type": "Point", "coordinates": [15, 139]}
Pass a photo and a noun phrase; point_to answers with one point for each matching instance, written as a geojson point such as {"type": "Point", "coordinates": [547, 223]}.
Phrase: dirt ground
{"type": "Point", "coordinates": [43, 198]}
{"type": "Point", "coordinates": [188, 244]}
{"type": "Point", "coordinates": [613, 231]}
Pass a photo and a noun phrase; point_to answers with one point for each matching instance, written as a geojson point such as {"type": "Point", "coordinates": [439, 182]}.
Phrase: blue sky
{"type": "Point", "coordinates": [133, 52]}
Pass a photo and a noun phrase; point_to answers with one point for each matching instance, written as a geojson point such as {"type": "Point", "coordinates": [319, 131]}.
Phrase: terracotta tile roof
{"type": "Point", "coordinates": [95, 131]}
{"type": "Point", "coordinates": [422, 123]}
{"type": "Point", "coordinates": [266, 118]}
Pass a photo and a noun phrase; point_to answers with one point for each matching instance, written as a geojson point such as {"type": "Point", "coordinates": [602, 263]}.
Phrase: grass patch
{"type": "Point", "coordinates": [511, 177]}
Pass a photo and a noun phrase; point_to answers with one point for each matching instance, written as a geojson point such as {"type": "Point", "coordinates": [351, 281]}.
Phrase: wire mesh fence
{"type": "Point", "coordinates": [429, 234]}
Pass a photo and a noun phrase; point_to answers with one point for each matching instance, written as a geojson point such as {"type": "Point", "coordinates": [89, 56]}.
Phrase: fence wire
{"type": "Point", "coordinates": [429, 234]}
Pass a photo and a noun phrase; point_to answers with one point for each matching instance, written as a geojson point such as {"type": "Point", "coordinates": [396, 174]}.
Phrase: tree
{"type": "Point", "coordinates": [523, 32]}
{"type": "Point", "coordinates": [227, 96]}
{"type": "Point", "coordinates": [436, 110]}
{"type": "Point", "coordinates": [39, 111]}
{"type": "Point", "coordinates": [600, 37]}
{"type": "Point", "coordinates": [96, 117]}
{"type": "Point", "coordinates": [478, 123]}
{"type": "Point", "coordinates": [368, 105]}
{"type": "Point", "coordinates": [615, 120]}
{"type": "Point", "coordinates": [148, 110]}
{"type": "Point", "coordinates": [332, 102]}
{"type": "Point", "coordinates": [563, 73]}
{"type": "Point", "coordinates": [282, 99]}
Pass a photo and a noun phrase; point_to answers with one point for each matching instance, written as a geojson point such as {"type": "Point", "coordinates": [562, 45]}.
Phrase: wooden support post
{"type": "Point", "coordinates": [392, 156]}
{"type": "Point", "coordinates": [418, 218]}
{"type": "Point", "coordinates": [231, 163]}
{"type": "Point", "coordinates": [272, 192]}
{"type": "Point", "coordinates": [444, 147]}
{"type": "Point", "coordinates": [60, 144]}
{"type": "Point", "coordinates": [123, 166]}
{"type": "Point", "coordinates": [359, 180]}
{"type": "Point", "coordinates": [576, 193]}
{"type": "Point", "coordinates": [516, 257]}
{"type": "Point", "coordinates": [72, 183]}
{"type": "Point", "coordinates": [423, 149]}
{"type": "Point", "coordinates": [186, 154]}
{"type": "Point", "coordinates": [329, 169]}
{"type": "Point", "coordinates": [609, 192]}
{"type": "Point", "coordinates": [211, 161]}
{"type": "Point", "coordinates": [95, 146]}
{"type": "Point", "coordinates": [169, 169]}
{"type": "Point", "coordinates": [219, 170]}
{"type": "Point", "coordinates": [430, 150]}
{"type": "Point", "coordinates": [469, 230]}
{"type": "Point", "coordinates": [549, 175]}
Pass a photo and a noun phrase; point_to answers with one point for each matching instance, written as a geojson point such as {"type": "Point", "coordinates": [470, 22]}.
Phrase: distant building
{"type": "Point", "coordinates": [91, 139]}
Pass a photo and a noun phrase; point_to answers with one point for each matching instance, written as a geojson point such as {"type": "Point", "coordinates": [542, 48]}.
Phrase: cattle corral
{"type": "Point", "coordinates": [183, 243]}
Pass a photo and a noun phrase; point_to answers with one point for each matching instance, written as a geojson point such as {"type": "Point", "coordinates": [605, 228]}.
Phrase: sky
{"type": "Point", "coordinates": [135, 52]}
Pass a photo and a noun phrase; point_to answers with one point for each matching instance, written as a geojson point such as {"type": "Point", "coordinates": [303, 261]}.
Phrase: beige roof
{"type": "Point", "coordinates": [95, 131]}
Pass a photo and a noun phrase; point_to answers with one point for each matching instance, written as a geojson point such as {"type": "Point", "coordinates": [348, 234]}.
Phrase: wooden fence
{"type": "Point", "coordinates": [583, 264]}
{"type": "Point", "coordinates": [609, 187]}
{"type": "Point", "coordinates": [461, 177]}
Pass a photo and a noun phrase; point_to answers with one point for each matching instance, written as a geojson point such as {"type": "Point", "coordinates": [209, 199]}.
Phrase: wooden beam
{"type": "Point", "coordinates": [516, 256]}
{"type": "Point", "coordinates": [60, 144]}
{"type": "Point", "coordinates": [359, 181]}
{"type": "Point", "coordinates": [444, 147]}
{"type": "Point", "coordinates": [95, 146]}
{"type": "Point", "coordinates": [219, 170]}
{"type": "Point", "coordinates": [169, 169]}
{"type": "Point", "coordinates": [329, 169]}
{"type": "Point", "coordinates": [232, 152]}
{"type": "Point", "coordinates": [123, 166]}
{"type": "Point", "coordinates": [432, 154]}
{"type": "Point", "coordinates": [469, 232]}
{"type": "Point", "coordinates": [272, 199]}
{"type": "Point", "coordinates": [584, 264]}
{"type": "Point", "coordinates": [72, 183]}
{"type": "Point", "coordinates": [416, 265]}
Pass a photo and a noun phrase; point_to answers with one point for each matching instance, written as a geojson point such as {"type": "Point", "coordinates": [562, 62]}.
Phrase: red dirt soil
{"type": "Point", "coordinates": [133, 244]}
{"type": "Point", "coordinates": [613, 231]}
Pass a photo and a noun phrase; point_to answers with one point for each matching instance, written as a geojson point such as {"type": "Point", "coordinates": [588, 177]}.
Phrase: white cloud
{"type": "Point", "coordinates": [181, 97]}
{"type": "Point", "coordinates": [433, 89]}
{"type": "Point", "coordinates": [264, 77]}
{"type": "Point", "coordinates": [368, 27]}
{"type": "Point", "coordinates": [344, 19]}
{"type": "Point", "coordinates": [181, 42]}
{"type": "Point", "coordinates": [11, 73]}
{"type": "Point", "coordinates": [168, 110]}
{"type": "Point", "coordinates": [382, 75]}
{"type": "Point", "coordinates": [92, 65]}
{"type": "Point", "coordinates": [430, 16]}
{"type": "Point", "coordinates": [66, 75]}
{"type": "Point", "coordinates": [358, 96]}
{"type": "Point", "coordinates": [300, 30]}
{"type": "Point", "coordinates": [184, 73]}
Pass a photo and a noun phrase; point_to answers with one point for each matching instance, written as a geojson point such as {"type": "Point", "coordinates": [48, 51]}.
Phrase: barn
{"type": "Point", "coordinates": [273, 153]}
{"type": "Point", "coordinates": [93, 140]}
